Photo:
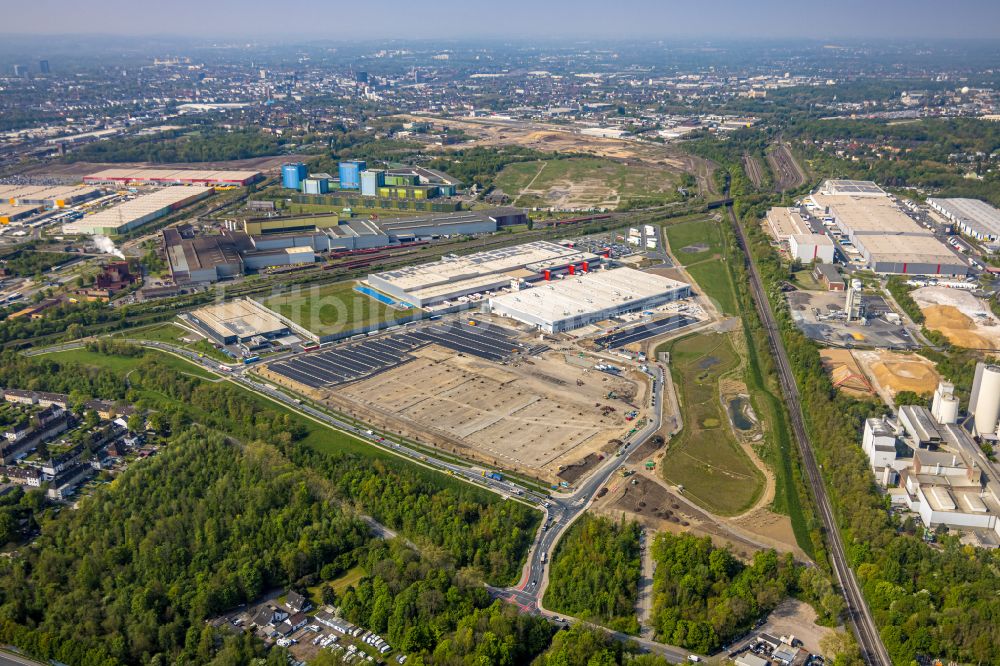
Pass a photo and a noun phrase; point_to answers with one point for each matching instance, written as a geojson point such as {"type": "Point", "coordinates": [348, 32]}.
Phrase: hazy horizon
{"type": "Point", "coordinates": [512, 19]}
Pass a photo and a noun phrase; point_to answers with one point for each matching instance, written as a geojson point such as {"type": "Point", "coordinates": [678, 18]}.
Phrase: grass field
{"type": "Point", "coordinates": [705, 457]}
{"type": "Point", "coordinates": [173, 334]}
{"type": "Point", "coordinates": [339, 585]}
{"type": "Point", "coordinates": [694, 241]}
{"type": "Point", "coordinates": [698, 245]}
{"type": "Point", "coordinates": [332, 308]}
{"type": "Point", "coordinates": [580, 182]}
{"type": "Point", "coordinates": [124, 364]}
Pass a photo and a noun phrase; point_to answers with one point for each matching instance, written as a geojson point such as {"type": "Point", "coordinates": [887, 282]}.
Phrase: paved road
{"type": "Point", "coordinates": [872, 648]}
{"type": "Point", "coordinates": [11, 659]}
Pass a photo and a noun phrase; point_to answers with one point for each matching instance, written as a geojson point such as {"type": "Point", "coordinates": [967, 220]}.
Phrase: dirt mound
{"type": "Point", "coordinates": [906, 374]}
{"type": "Point", "coordinates": [956, 326]}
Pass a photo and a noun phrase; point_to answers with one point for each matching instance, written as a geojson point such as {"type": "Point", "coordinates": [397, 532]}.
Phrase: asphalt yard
{"type": "Point", "coordinates": [368, 357]}
{"type": "Point", "coordinates": [645, 331]}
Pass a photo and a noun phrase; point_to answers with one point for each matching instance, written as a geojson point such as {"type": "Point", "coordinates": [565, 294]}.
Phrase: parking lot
{"type": "Point", "coordinates": [821, 316]}
{"type": "Point", "coordinates": [645, 331]}
{"type": "Point", "coordinates": [368, 357]}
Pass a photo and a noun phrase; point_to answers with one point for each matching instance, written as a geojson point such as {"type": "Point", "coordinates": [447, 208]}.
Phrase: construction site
{"type": "Point", "coordinates": [867, 373]}
{"type": "Point", "coordinates": [511, 405]}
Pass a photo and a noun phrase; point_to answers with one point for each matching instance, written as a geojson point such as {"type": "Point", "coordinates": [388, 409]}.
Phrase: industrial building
{"type": "Point", "coordinates": [973, 217]}
{"type": "Point", "coordinates": [315, 185]}
{"type": "Point", "coordinates": [783, 223]}
{"type": "Point", "coordinates": [447, 184]}
{"type": "Point", "coordinates": [444, 224]}
{"type": "Point", "coordinates": [137, 212]}
{"type": "Point", "coordinates": [288, 256]}
{"type": "Point", "coordinates": [9, 213]}
{"type": "Point", "coordinates": [808, 248]}
{"type": "Point", "coordinates": [371, 181]}
{"type": "Point", "coordinates": [456, 277]}
{"type": "Point", "coordinates": [585, 298]}
{"type": "Point", "coordinates": [293, 174]}
{"type": "Point", "coordinates": [930, 465]}
{"type": "Point", "coordinates": [124, 177]}
{"type": "Point", "coordinates": [47, 196]}
{"type": "Point", "coordinates": [238, 321]}
{"type": "Point", "coordinates": [888, 240]}
{"type": "Point", "coordinates": [350, 174]}
{"type": "Point", "coordinates": [201, 258]}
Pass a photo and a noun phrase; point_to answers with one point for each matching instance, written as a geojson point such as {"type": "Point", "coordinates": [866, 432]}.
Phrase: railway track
{"type": "Point", "coordinates": [872, 649]}
{"type": "Point", "coordinates": [787, 173]}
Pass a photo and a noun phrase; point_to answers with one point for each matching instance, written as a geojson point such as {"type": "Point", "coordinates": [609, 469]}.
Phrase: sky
{"type": "Point", "coordinates": [531, 19]}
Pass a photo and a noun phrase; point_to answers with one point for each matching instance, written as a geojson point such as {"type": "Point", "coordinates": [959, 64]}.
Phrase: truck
{"type": "Point", "coordinates": [496, 476]}
{"type": "Point", "coordinates": [544, 556]}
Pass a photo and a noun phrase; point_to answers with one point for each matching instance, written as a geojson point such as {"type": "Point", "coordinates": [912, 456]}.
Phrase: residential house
{"type": "Point", "coordinates": [297, 603]}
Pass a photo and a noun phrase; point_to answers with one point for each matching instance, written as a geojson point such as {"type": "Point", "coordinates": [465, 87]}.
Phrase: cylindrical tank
{"type": "Point", "coordinates": [292, 175]}
{"type": "Point", "coordinates": [948, 410]}
{"type": "Point", "coordinates": [987, 407]}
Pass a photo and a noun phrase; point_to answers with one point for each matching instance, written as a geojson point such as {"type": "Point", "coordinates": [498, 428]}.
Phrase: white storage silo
{"type": "Point", "coordinates": [945, 405]}
{"type": "Point", "coordinates": [984, 403]}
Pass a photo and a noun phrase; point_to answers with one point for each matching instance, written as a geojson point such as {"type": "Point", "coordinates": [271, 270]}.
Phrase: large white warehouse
{"type": "Point", "coordinates": [888, 239]}
{"type": "Point", "coordinates": [453, 277]}
{"type": "Point", "coordinates": [973, 217]}
{"type": "Point", "coordinates": [582, 299]}
{"type": "Point", "coordinates": [139, 211]}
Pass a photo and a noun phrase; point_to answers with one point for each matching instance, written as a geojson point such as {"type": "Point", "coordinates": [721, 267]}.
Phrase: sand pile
{"type": "Point", "coordinates": [960, 316]}
{"type": "Point", "coordinates": [905, 373]}
{"type": "Point", "coordinates": [956, 326]}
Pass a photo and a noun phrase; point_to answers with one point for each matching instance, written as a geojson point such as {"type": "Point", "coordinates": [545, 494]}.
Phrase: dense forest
{"type": "Point", "coordinates": [205, 145]}
{"type": "Point", "coordinates": [595, 573]}
{"type": "Point", "coordinates": [197, 530]}
{"type": "Point", "coordinates": [82, 383]}
{"type": "Point", "coordinates": [438, 615]}
{"type": "Point", "coordinates": [703, 596]}
{"type": "Point", "coordinates": [469, 524]}
{"type": "Point", "coordinates": [929, 601]}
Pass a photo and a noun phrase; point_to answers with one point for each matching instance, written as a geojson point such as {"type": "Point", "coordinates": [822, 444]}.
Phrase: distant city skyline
{"type": "Point", "coordinates": [536, 19]}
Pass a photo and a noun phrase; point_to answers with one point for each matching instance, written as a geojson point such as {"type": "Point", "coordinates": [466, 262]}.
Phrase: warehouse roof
{"type": "Point", "coordinates": [20, 194]}
{"type": "Point", "coordinates": [865, 188]}
{"type": "Point", "coordinates": [785, 222]}
{"type": "Point", "coordinates": [243, 318]}
{"type": "Point", "coordinates": [865, 215]}
{"type": "Point", "coordinates": [129, 211]}
{"type": "Point", "coordinates": [811, 239]}
{"type": "Point", "coordinates": [129, 174]}
{"type": "Point", "coordinates": [972, 213]}
{"type": "Point", "coordinates": [902, 248]}
{"type": "Point", "coordinates": [586, 292]}
{"type": "Point", "coordinates": [453, 269]}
